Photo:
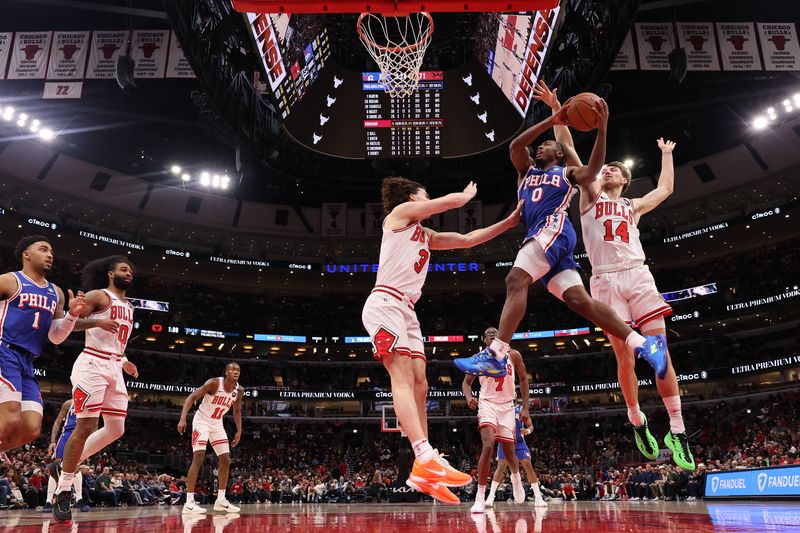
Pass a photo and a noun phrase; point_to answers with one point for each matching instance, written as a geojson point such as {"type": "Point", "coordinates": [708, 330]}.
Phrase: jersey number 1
{"type": "Point", "coordinates": [35, 324]}
{"type": "Point", "coordinates": [621, 232]}
{"type": "Point", "coordinates": [218, 412]}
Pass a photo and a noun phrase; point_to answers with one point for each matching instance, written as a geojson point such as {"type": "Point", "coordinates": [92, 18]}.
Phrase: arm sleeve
{"type": "Point", "coordinates": [60, 328]}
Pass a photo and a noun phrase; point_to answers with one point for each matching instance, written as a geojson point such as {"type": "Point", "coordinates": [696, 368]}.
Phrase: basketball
{"type": "Point", "coordinates": [581, 113]}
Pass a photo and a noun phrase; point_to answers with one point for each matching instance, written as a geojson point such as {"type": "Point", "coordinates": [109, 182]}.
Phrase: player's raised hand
{"type": "Point", "coordinates": [471, 190]}
{"type": "Point", "coordinates": [77, 303]}
{"type": "Point", "coordinates": [543, 93]}
{"type": "Point", "coordinates": [472, 402]}
{"type": "Point", "coordinates": [130, 369]}
{"type": "Point", "coordinates": [110, 326]}
{"type": "Point", "coordinates": [181, 425]}
{"type": "Point", "coordinates": [560, 117]}
{"type": "Point", "coordinates": [666, 146]}
{"type": "Point", "coordinates": [601, 108]}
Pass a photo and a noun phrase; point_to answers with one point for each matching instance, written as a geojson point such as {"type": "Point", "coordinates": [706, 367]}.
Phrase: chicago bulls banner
{"type": "Point", "coordinates": [737, 46]}
{"type": "Point", "coordinates": [697, 38]}
{"type": "Point", "coordinates": [655, 42]}
{"type": "Point", "coordinates": [5, 48]}
{"type": "Point", "coordinates": [470, 216]}
{"type": "Point", "coordinates": [626, 57]}
{"type": "Point", "coordinates": [149, 51]}
{"type": "Point", "coordinates": [68, 55]}
{"type": "Point", "coordinates": [779, 45]}
{"type": "Point", "coordinates": [334, 219]}
{"type": "Point", "coordinates": [373, 219]}
{"type": "Point", "coordinates": [107, 46]}
{"type": "Point", "coordinates": [177, 66]}
{"type": "Point", "coordinates": [29, 56]}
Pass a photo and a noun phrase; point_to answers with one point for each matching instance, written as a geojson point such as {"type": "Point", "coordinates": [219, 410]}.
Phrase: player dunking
{"type": "Point", "coordinates": [219, 395]}
{"type": "Point", "coordinates": [98, 386]}
{"type": "Point", "coordinates": [496, 420]}
{"type": "Point", "coordinates": [610, 225]}
{"type": "Point", "coordinates": [547, 251]}
{"type": "Point", "coordinates": [392, 324]}
{"type": "Point", "coordinates": [31, 312]}
{"type": "Point", "coordinates": [63, 426]}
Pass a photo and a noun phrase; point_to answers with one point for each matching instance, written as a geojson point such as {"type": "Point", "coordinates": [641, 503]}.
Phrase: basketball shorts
{"type": "Point", "coordinates": [62, 441]}
{"type": "Point", "coordinates": [521, 451]}
{"type": "Point", "coordinates": [632, 293]}
{"type": "Point", "coordinates": [499, 416]}
{"type": "Point", "coordinates": [392, 326]}
{"type": "Point", "coordinates": [98, 386]}
{"type": "Point", "coordinates": [206, 431]}
{"type": "Point", "coordinates": [17, 380]}
{"type": "Point", "coordinates": [548, 256]}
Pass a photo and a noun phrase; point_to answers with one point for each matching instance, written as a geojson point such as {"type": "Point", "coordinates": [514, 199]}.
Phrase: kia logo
{"type": "Point", "coordinates": [714, 484]}
{"type": "Point", "coordinates": [762, 481]}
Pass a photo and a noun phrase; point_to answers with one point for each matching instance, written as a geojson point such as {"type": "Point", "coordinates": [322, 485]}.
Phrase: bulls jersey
{"type": "Point", "coordinates": [611, 235]}
{"type": "Point", "coordinates": [547, 194]}
{"type": "Point", "coordinates": [214, 406]}
{"type": "Point", "coordinates": [403, 263]}
{"type": "Point", "coordinates": [499, 390]}
{"type": "Point", "coordinates": [105, 342]}
{"type": "Point", "coordinates": [25, 317]}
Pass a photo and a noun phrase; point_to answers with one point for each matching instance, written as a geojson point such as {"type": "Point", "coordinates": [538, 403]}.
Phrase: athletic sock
{"type": "Point", "coordinates": [493, 489]}
{"type": "Point", "coordinates": [78, 484]}
{"type": "Point", "coordinates": [635, 416]}
{"type": "Point", "coordinates": [51, 488]}
{"type": "Point", "coordinates": [190, 497]}
{"type": "Point", "coordinates": [480, 497]}
{"type": "Point", "coordinates": [64, 482]}
{"type": "Point", "coordinates": [423, 450]}
{"type": "Point", "coordinates": [499, 348]}
{"type": "Point", "coordinates": [673, 405]}
{"type": "Point", "coordinates": [634, 340]}
{"type": "Point", "coordinates": [221, 495]}
{"type": "Point", "coordinates": [536, 490]}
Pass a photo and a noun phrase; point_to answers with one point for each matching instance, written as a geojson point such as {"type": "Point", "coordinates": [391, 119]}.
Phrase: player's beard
{"type": "Point", "coordinates": [121, 283]}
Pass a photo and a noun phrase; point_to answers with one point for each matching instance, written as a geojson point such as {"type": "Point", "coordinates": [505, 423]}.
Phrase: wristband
{"type": "Point", "coordinates": [124, 359]}
{"type": "Point", "coordinates": [70, 317]}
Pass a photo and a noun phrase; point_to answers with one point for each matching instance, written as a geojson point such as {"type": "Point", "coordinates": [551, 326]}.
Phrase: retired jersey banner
{"type": "Point", "coordinates": [177, 66]}
{"type": "Point", "coordinates": [697, 38]}
{"type": "Point", "coordinates": [62, 89]}
{"type": "Point", "coordinates": [29, 56]}
{"type": "Point", "coordinates": [737, 46]}
{"type": "Point", "coordinates": [373, 219]}
{"type": "Point", "coordinates": [626, 57]}
{"type": "Point", "coordinates": [107, 46]}
{"type": "Point", "coordinates": [5, 48]}
{"type": "Point", "coordinates": [149, 52]}
{"type": "Point", "coordinates": [334, 220]}
{"type": "Point", "coordinates": [68, 55]}
{"type": "Point", "coordinates": [655, 42]}
{"type": "Point", "coordinates": [470, 216]}
{"type": "Point", "coordinates": [779, 45]}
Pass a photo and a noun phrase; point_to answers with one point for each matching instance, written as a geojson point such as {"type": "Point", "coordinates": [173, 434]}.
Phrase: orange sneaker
{"type": "Point", "coordinates": [436, 490]}
{"type": "Point", "coordinates": [454, 478]}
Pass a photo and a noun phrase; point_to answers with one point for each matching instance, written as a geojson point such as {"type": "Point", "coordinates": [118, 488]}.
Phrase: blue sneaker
{"type": "Point", "coordinates": [47, 508]}
{"type": "Point", "coordinates": [83, 506]}
{"type": "Point", "coordinates": [483, 363]}
{"type": "Point", "coordinates": [654, 351]}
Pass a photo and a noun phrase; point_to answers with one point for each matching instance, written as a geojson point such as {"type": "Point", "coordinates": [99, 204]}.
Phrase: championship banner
{"type": "Point", "coordinates": [542, 32]}
{"type": "Point", "coordinates": [149, 52]}
{"type": "Point", "coordinates": [29, 59]}
{"type": "Point", "coordinates": [655, 42]}
{"type": "Point", "coordinates": [334, 220]}
{"type": "Point", "coordinates": [737, 46]}
{"type": "Point", "coordinates": [107, 46]}
{"type": "Point", "coordinates": [68, 55]}
{"type": "Point", "coordinates": [697, 38]}
{"type": "Point", "coordinates": [470, 216]}
{"type": "Point", "coordinates": [62, 89]}
{"type": "Point", "coordinates": [177, 65]}
{"type": "Point", "coordinates": [626, 57]}
{"type": "Point", "coordinates": [373, 219]}
{"type": "Point", "coordinates": [779, 45]}
{"type": "Point", "coordinates": [5, 48]}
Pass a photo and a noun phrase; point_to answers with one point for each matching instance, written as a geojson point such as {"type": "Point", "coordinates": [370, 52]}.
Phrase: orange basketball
{"type": "Point", "coordinates": [581, 113]}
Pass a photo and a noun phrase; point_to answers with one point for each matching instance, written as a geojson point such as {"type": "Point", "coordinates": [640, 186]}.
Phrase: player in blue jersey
{"type": "Point", "coordinates": [31, 313]}
{"type": "Point", "coordinates": [64, 424]}
{"type": "Point", "coordinates": [546, 187]}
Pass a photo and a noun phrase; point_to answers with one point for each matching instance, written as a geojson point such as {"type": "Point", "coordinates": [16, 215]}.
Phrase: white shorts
{"type": "Point", "coordinates": [532, 259]}
{"type": "Point", "coordinates": [499, 416]}
{"type": "Point", "coordinates": [98, 387]}
{"type": "Point", "coordinates": [392, 325]}
{"type": "Point", "coordinates": [632, 293]}
{"type": "Point", "coordinates": [206, 431]}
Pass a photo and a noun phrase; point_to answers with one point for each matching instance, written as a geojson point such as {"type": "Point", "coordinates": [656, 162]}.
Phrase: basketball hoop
{"type": "Point", "coordinates": [397, 44]}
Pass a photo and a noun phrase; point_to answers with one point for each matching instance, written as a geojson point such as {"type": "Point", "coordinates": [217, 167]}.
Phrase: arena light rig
{"type": "Point", "coordinates": [26, 122]}
{"type": "Point", "coordinates": [772, 113]}
{"type": "Point", "coordinates": [205, 178]}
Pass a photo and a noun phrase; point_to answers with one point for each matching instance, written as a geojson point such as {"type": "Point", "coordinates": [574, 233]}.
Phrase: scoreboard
{"type": "Point", "coordinates": [407, 127]}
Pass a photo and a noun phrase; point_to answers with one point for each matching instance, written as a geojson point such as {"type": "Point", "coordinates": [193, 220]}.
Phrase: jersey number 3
{"type": "Point", "coordinates": [423, 259]}
{"type": "Point", "coordinates": [621, 231]}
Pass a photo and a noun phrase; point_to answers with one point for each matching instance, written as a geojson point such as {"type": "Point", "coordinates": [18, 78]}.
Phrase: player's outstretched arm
{"type": "Point", "coordinates": [450, 240]}
{"type": "Point", "coordinates": [518, 149]}
{"type": "Point", "coordinates": [563, 136]}
{"type": "Point", "coordinates": [422, 210]}
{"type": "Point", "coordinates": [208, 388]}
{"type": "Point", "coordinates": [62, 325]}
{"type": "Point", "coordinates": [466, 390]}
{"type": "Point", "coordinates": [57, 426]}
{"type": "Point", "coordinates": [666, 181]}
{"type": "Point", "coordinates": [524, 386]}
{"type": "Point", "coordinates": [95, 300]}
{"type": "Point", "coordinates": [586, 176]}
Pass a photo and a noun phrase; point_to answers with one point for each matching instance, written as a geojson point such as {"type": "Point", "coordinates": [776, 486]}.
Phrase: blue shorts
{"type": "Point", "coordinates": [522, 453]}
{"type": "Point", "coordinates": [17, 380]}
{"type": "Point", "coordinates": [62, 441]}
{"type": "Point", "coordinates": [561, 253]}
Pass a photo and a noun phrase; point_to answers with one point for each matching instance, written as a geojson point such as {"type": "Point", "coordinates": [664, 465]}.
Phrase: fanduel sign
{"type": "Point", "coordinates": [766, 482]}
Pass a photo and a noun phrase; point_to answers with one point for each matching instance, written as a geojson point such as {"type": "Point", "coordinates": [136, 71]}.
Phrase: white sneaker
{"type": "Point", "coordinates": [478, 507]}
{"type": "Point", "coordinates": [519, 493]}
{"type": "Point", "coordinates": [539, 502]}
{"type": "Point", "coordinates": [193, 508]}
{"type": "Point", "coordinates": [489, 502]}
{"type": "Point", "coordinates": [225, 505]}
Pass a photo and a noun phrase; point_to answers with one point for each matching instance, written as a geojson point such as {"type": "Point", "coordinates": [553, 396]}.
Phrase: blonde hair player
{"type": "Point", "coordinates": [389, 317]}
{"type": "Point", "coordinates": [621, 279]}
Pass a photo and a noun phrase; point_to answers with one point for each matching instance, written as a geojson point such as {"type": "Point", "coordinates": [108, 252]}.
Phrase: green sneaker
{"type": "Point", "coordinates": [645, 440]}
{"type": "Point", "coordinates": [679, 444]}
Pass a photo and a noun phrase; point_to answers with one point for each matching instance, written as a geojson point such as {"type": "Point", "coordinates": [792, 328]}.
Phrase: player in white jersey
{"type": "Point", "coordinates": [389, 318]}
{"type": "Point", "coordinates": [219, 395]}
{"type": "Point", "coordinates": [497, 420]}
{"type": "Point", "coordinates": [98, 386]}
{"type": "Point", "coordinates": [621, 279]}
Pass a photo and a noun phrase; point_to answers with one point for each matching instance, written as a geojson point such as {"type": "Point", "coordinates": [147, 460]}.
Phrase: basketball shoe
{"type": "Point", "coordinates": [679, 444]}
{"type": "Point", "coordinates": [483, 363]}
{"type": "Point", "coordinates": [433, 478]}
{"type": "Point", "coordinates": [645, 440]}
{"type": "Point", "coordinates": [654, 351]}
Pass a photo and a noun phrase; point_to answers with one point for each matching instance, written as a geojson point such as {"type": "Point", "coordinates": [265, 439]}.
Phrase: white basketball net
{"type": "Point", "coordinates": [397, 44]}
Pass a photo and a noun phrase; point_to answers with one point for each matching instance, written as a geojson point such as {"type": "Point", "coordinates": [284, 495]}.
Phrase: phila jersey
{"type": "Point", "coordinates": [105, 342]}
{"type": "Point", "coordinates": [499, 390]}
{"type": "Point", "coordinates": [214, 406]}
{"type": "Point", "coordinates": [611, 235]}
{"type": "Point", "coordinates": [25, 317]}
{"type": "Point", "coordinates": [403, 264]}
{"type": "Point", "coordinates": [547, 194]}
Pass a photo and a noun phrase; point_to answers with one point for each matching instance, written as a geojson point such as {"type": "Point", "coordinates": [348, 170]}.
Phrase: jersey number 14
{"type": "Point", "coordinates": [621, 231]}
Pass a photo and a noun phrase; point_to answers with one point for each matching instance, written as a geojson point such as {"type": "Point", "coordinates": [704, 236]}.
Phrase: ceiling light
{"type": "Point", "coordinates": [47, 134]}
{"type": "Point", "coordinates": [23, 117]}
{"type": "Point", "coordinates": [628, 163]}
{"type": "Point", "coordinates": [215, 181]}
{"type": "Point", "coordinates": [760, 123]}
{"type": "Point", "coordinates": [225, 181]}
{"type": "Point", "coordinates": [21, 123]}
{"type": "Point", "coordinates": [205, 179]}
{"type": "Point", "coordinates": [185, 177]}
{"type": "Point", "coordinates": [8, 114]}
{"type": "Point", "coordinates": [175, 169]}
{"type": "Point", "coordinates": [771, 110]}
